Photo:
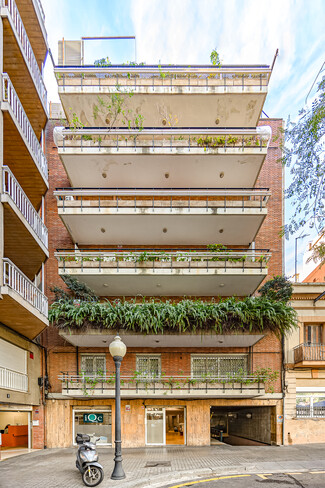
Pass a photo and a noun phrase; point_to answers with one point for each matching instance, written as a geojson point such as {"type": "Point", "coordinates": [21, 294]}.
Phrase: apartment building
{"type": "Point", "coordinates": [23, 234]}
{"type": "Point", "coordinates": [305, 367]}
{"type": "Point", "coordinates": [164, 184]}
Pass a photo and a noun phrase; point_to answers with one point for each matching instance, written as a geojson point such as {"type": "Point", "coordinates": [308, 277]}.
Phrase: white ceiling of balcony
{"type": "Point", "coordinates": [90, 227]}
{"type": "Point", "coordinates": [101, 338]}
{"type": "Point", "coordinates": [162, 171]}
{"type": "Point", "coordinates": [179, 282]}
{"type": "Point", "coordinates": [182, 110]}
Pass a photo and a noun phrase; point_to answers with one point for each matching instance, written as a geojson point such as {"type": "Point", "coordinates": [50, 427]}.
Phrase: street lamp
{"type": "Point", "coordinates": [117, 348]}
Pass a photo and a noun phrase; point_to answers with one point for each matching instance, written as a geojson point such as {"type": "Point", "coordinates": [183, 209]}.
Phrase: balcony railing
{"type": "Point", "coordinates": [309, 352]}
{"type": "Point", "coordinates": [10, 96]}
{"type": "Point", "coordinates": [140, 384]}
{"type": "Point", "coordinates": [157, 199]}
{"type": "Point", "coordinates": [154, 260]}
{"type": "Point", "coordinates": [39, 10]}
{"type": "Point", "coordinates": [11, 380]}
{"type": "Point", "coordinates": [12, 188]}
{"type": "Point", "coordinates": [166, 78]}
{"type": "Point", "coordinates": [26, 48]}
{"type": "Point", "coordinates": [310, 411]}
{"type": "Point", "coordinates": [17, 281]}
{"type": "Point", "coordinates": [166, 140]}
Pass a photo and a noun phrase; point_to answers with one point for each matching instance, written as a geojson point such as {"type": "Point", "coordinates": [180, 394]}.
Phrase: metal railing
{"type": "Point", "coordinates": [155, 199]}
{"type": "Point", "coordinates": [192, 78]}
{"type": "Point", "coordinates": [12, 188]}
{"type": "Point", "coordinates": [39, 9]}
{"type": "Point", "coordinates": [16, 280]}
{"type": "Point", "coordinates": [170, 140]}
{"type": "Point", "coordinates": [159, 384]}
{"type": "Point", "coordinates": [310, 411]}
{"type": "Point", "coordinates": [11, 380]}
{"type": "Point", "coordinates": [309, 352]}
{"type": "Point", "coordinates": [169, 259]}
{"type": "Point", "coordinates": [26, 48]}
{"type": "Point", "coordinates": [10, 96]}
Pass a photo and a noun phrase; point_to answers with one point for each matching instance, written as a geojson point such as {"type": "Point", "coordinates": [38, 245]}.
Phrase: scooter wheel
{"type": "Point", "coordinates": [92, 476]}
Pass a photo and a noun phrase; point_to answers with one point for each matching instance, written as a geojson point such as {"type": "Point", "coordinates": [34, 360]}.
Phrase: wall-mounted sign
{"type": "Point", "coordinates": [127, 408]}
{"type": "Point", "coordinates": [279, 419]}
{"type": "Point", "coordinates": [35, 423]}
{"type": "Point", "coordinates": [91, 418]}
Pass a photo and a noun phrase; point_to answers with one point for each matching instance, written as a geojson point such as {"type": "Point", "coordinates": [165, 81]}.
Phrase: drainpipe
{"type": "Point", "coordinates": [283, 384]}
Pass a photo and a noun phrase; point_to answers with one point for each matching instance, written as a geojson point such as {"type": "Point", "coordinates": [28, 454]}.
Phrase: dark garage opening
{"type": "Point", "coordinates": [241, 426]}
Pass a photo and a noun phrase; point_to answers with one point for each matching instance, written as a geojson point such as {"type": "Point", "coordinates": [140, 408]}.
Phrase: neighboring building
{"type": "Point", "coordinates": [23, 234]}
{"type": "Point", "coordinates": [305, 367]}
{"type": "Point", "coordinates": [174, 187]}
{"type": "Point", "coordinates": [312, 270]}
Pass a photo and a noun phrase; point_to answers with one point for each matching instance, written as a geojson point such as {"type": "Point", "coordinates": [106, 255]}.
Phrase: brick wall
{"type": "Point", "coordinates": [62, 356]}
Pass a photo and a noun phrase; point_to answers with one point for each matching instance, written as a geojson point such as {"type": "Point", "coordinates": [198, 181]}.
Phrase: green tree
{"type": "Point", "coordinates": [278, 288]}
{"type": "Point", "coordinates": [304, 154]}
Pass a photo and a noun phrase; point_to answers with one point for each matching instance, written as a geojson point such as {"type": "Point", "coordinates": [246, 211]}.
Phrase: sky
{"type": "Point", "coordinates": [186, 31]}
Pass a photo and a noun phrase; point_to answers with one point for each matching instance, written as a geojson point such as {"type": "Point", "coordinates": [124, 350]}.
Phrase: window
{"type": "Point", "coordinates": [217, 366]}
{"type": "Point", "coordinates": [313, 334]}
{"type": "Point", "coordinates": [91, 364]}
{"type": "Point", "coordinates": [149, 366]}
{"type": "Point", "coordinates": [310, 405]}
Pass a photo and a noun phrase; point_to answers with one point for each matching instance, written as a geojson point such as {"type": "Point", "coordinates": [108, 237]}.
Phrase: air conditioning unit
{"type": "Point", "coordinates": [70, 53]}
{"type": "Point", "coordinates": [69, 198]}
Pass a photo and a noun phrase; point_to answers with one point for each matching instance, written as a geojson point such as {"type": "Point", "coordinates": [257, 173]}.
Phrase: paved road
{"type": "Point", "coordinates": [313, 479]}
{"type": "Point", "coordinates": [173, 466]}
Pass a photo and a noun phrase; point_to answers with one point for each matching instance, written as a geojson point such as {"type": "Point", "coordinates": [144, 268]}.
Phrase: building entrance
{"type": "Point", "coordinates": [14, 429]}
{"type": "Point", "coordinates": [165, 426]}
{"type": "Point", "coordinates": [241, 425]}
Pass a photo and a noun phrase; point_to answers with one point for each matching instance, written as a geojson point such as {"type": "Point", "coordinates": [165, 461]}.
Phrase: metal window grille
{"type": "Point", "coordinates": [93, 364]}
{"type": "Point", "coordinates": [149, 366]}
{"type": "Point", "coordinates": [216, 366]}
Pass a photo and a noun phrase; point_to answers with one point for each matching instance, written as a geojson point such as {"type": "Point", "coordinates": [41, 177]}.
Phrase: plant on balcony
{"type": "Point", "coordinates": [252, 314]}
{"type": "Point", "coordinates": [102, 62]}
{"type": "Point", "coordinates": [215, 58]}
{"type": "Point", "coordinates": [278, 288]}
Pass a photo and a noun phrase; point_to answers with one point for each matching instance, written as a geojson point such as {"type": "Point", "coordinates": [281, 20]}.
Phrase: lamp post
{"type": "Point", "coordinates": [117, 348]}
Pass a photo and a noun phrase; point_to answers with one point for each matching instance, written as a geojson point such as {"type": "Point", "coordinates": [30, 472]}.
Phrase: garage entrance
{"type": "Point", "coordinates": [14, 428]}
{"type": "Point", "coordinates": [241, 426]}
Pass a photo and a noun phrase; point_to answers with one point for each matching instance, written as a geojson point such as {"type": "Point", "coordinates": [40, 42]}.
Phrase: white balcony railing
{"type": "Point", "coordinates": [10, 96]}
{"type": "Point", "coordinates": [12, 188]}
{"type": "Point", "coordinates": [16, 280]}
{"type": "Point", "coordinates": [11, 380]}
{"type": "Point", "coordinates": [10, 8]}
{"type": "Point", "coordinates": [169, 140]}
{"type": "Point", "coordinates": [39, 10]}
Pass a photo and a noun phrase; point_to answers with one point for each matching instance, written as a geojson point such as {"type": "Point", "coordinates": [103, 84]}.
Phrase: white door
{"type": "Point", "coordinates": [155, 426]}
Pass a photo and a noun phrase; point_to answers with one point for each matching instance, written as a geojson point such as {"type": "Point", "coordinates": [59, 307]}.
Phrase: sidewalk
{"type": "Point", "coordinates": [54, 468]}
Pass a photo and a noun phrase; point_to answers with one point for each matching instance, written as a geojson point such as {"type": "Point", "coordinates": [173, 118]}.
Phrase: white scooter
{"type": "Point", "coordinates": [87, 461]}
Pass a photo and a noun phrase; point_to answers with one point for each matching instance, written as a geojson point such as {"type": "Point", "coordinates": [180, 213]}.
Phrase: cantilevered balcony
{"type": "Point", "coordinates": [132, 216]}
{"type": "Point", "coordinates": [20, 62]}
{"type": "Point", "coordinates": [179, 158]}
{"type": "Point", "coordinates": [22, 224]}
{"type": "Point", "coordinates": [166, 272]}
{"type": "Point", "coordinates": [187, 96]}
{"type": "Point", "coordinates": [33, 17]}
{"type": "Point", "coordinates": [183, 386]}
{"type": "Point", "coordinates": [309, 355]}
{"type": "Point", "coordinates": [22, 150]}
{"type": "Point", "coordinates": [23, 306]}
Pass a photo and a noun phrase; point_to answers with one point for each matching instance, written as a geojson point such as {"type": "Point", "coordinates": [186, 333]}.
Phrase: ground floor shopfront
{"type": "Point", "coordinates": [159, 422]}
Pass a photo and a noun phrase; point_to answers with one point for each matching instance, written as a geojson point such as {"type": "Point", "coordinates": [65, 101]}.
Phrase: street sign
{"type": "Point", "coordinates": [93, 418]}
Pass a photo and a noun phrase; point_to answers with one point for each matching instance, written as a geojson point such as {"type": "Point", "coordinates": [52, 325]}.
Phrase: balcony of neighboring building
{"type": "Point", "coordinates": [133, 216]}
{"type": "Point", "coordinates": [33, 17]}
{"type": "Point", "coordinates": [22, 150]}
{"type": "Point", "coordinates": [163, 158]}
{"type": "Point", "coordinates": [309, 355]}
{"type": "Point", "coordinates": [196, 96]}
{"type": "Point", "coordinates": [20, 63]}
{"type": "Point", "coordinates": [166, 272]}
{"type": "Point", "coordinates": [22, 224]}
{"type": "Point", "coordinates": [23, 307]}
